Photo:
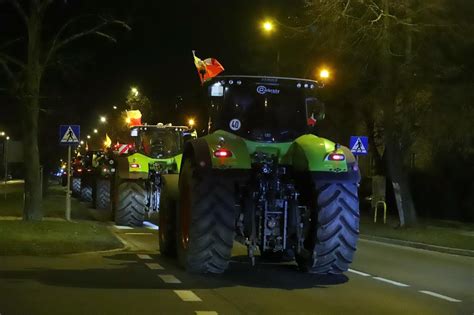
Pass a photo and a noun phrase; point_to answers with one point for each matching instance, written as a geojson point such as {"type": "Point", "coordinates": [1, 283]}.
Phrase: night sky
{"type": "Point", "coordinates": [155, 56]}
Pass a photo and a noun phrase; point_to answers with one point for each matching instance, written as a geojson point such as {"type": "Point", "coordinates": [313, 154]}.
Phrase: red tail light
{"type": "Point", "coordinates": [135, 165]}
{"type": "Point", "coordinates": [222, 153]}
{"type": "Point", "coordinates": [336, 157]}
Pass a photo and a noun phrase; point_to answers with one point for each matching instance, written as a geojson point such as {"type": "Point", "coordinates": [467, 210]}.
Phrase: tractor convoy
{"type": "Point", "coordinates": [260, 177]}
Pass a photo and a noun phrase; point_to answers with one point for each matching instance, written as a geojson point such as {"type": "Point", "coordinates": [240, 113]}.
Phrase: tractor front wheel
{"type": "Point", "coordinates": [102, 198]}
{"type": "Point", "coordinates": [76, 186]}
{"type": "Point", "coordinates": [130, 210]}
{"type": "Point", "coordinates": [205, 221]}
{"type": "Point", "coordinates": [331, 243]}
{"type": "Point", "coordinates": [167, 215]}
{"type": "Point", "coordinates": [86, 193]}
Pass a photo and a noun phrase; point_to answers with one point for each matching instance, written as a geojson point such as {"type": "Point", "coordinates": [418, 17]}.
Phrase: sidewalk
{"type": "Point", "coordinates": [435, 235]}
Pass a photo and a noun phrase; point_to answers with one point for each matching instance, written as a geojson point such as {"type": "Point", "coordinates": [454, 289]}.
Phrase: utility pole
{"type": "Point", "coordinates": [5, 158]}
{"type": "Point", "coordinates": [68, 187]}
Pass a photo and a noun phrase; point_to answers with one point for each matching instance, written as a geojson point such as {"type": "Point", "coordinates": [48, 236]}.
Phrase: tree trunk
{"type": "Point", "coordinates": [33, 195]}
{"type": "Point", "coordinates": [394, 155]}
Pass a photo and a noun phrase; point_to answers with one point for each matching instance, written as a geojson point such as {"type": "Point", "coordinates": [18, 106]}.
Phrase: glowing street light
{"type": "Point", "coordinates": [114, 107]}
{"type": "Point", "coordinates": [191, 122]}
{"type": "Point", "coordinates": [324, 74]}
{"type": "Point", "coordinates": [268, 26]}
{"type": "Point", "coordinates": [2, 133]}
{"type": "Point", "coordinates": [103, 119]}
{"type": "Point", "coordinates": [96, 131]}
{"type": "Point", "coordinates": [82, 141]}
{"type": "Point", "coordinates": [134, 91]}
{"type": "Point", "coordinates": [88, 136]}
{"type": "Point", "coordinates": [8, 138]}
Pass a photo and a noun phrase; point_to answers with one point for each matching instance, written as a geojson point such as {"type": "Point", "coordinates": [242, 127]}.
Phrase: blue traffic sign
{"type": "Point", "coordinates": [359, 145]}
{"type": "Point", "coordinates": [69, 134]}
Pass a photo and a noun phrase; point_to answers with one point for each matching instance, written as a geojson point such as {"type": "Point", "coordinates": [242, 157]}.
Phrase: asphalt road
{"type": "Point", "coordinates": [384, 279]}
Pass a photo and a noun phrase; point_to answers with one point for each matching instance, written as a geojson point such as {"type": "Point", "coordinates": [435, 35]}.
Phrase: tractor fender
{"type": "Point", "coordinates": [308, 153]}
{"type": "Point", "coordinates": [202, 151]}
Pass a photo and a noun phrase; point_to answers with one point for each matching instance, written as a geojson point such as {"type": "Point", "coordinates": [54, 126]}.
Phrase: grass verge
{"type": "Point", "coordinates": [426, 232]}
{"type": "Point", "coordinates": [54, 237]}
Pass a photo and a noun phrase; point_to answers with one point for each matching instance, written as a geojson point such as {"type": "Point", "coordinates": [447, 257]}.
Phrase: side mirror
{"type": "Point", "coordinates": [314, 111]}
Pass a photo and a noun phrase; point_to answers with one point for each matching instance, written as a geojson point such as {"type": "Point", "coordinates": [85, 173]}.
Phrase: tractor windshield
{"type": "Point", "coordinates": [158, 143]}
{"type": "Point", "coordinates": [262, 109]}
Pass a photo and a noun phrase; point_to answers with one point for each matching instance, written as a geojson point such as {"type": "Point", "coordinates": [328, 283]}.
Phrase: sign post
{"type": "Point", "coordinates": [69, 135]}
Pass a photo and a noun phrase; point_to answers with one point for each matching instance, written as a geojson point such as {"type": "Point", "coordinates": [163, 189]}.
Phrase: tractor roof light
{"type": "Point", "coordinates": [222, 153]}
{"type": "Point", "coordinates": [134, 165]}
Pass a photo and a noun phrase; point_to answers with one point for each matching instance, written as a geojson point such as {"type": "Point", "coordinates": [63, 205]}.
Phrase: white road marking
{"type": "Point", "coordinates": [360, 273]}
{"type": "Point", "coordinates": [133, 233]}
{"type": "Point", "coordinates": [398, 284]}
{"type": "Point", "coordinates": [154, 266]}
{"type": "Point", "coordinates": [187, 296]}
{"type": "Point", "coordinates": [150, 225]}
{"type": "Point", "coordinates": [440, 296]}
{"type": "Point", "coordinates": [144, 257]}
{"type": "Point", "coordinates": [206, 313]}
{"type": "Point", "coordinates": [123, 227]}
{"type": "Point", "coordinates": [169, 279]}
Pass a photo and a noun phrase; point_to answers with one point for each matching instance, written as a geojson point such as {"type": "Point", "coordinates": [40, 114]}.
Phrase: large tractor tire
{"type": "Point", "coordinates": [205, 221]}
{"type": "Point", "coordinates": [76, 186]}
{"type": "Point", "coordinates": [102, 197]}
{"type": "Point", "coordinates": [86, 192]}
{"type": "Point", "coordinates": [131, 202]}
{"type": "Point", "coordinates": [331, 245]}
{"type": "Point", "coordinates": [167, 215]}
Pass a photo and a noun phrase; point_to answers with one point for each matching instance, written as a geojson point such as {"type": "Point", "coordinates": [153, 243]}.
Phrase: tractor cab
{"type": "Point", "coordinates": [160, 141]}
{"type": "Point", "coordinates": [264, 109]}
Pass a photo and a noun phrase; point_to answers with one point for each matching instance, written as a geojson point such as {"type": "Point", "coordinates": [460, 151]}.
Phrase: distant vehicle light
{"type": "Point", "coordinates": [336, 157]}
{"type": "Point", "coordinates": [79, 170]}
{"type": "Point", "coordinates": [222, 153]}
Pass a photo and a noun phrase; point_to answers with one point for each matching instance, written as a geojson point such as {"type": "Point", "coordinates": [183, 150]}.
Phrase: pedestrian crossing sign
{"type": "Point", "coordinates": [69, 134]}
{"type": "Point", "coordinates": [359, 145]}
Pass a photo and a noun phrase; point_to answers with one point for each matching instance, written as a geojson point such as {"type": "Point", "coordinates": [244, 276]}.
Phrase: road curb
{"type": "Point", "coordinates": [435, 248]}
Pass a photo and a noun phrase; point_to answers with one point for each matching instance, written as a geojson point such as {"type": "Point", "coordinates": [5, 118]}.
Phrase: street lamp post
{"type": "Point", "coordinates": [268, 27]}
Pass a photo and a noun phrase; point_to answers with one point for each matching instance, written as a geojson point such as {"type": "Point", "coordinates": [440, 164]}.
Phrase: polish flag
{"type": "Point", "coordinates": [207, 68]}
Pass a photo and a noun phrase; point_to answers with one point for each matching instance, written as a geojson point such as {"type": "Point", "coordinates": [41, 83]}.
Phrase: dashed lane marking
{"type": "Point", "coordinates": [206, 313]}
{"type": "Point", "coordinates": [154, 266]}
{"type": "Point", "coordinates": [144, 257]}
{"type": "Point", "coordinates": [150, 225]}
{"type": "Point", "coordinates": [360, 273]}
{"type": "Point", "coordinates": [137, 233]}
{"type": "Point", "coordinates": [169, 279]}
{"type": "Point", "coordinates": [123, 227]}
{"type": "Point", "coordinates": [398, 284]}
{"type": "Point", "coordinates": [187, 296]}
{"type": "Point", "coordinates": [440, 296]}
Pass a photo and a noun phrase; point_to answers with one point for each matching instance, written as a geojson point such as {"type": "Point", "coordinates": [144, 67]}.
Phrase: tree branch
{"type": "Point", "coordinates": [96, 30]}
{"type": "Point", "coordinates": [6, 58]}
{"type": "Point", "coordinates": [19, 10]}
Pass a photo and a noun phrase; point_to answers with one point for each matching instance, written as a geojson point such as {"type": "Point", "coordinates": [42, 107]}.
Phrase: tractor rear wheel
{"type": "Point", "coordinates": [167, 216]}
{"type": "Point", "coordinates": [76, 186]}
{"type": "Point", "coordinates": [131, 204]}
{"type": "Point", "coordinates": [205, 221]}
{"type": "Point", "coordinates": [102, 197]}
{"type": "Point", "coordinates": [86, 192]}
{"type": "Point", "coordinates": [332, 241]}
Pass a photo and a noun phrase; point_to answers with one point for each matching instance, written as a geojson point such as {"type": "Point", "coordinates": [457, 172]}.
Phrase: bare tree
{"type": "Point", "coordinates": [26, 77]}
{"type": "Point", "coordinates": [377, 40]}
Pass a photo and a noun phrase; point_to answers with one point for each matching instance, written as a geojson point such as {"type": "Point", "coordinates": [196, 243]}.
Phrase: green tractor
{"type": "Point", "coordinates": [263, 178]}
{"type": "Point", "coordinates": [136, 180]}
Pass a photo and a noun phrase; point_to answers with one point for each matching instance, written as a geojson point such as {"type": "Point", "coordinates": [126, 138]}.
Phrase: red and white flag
{"type": "Point", "coordinates": [207, 68]}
